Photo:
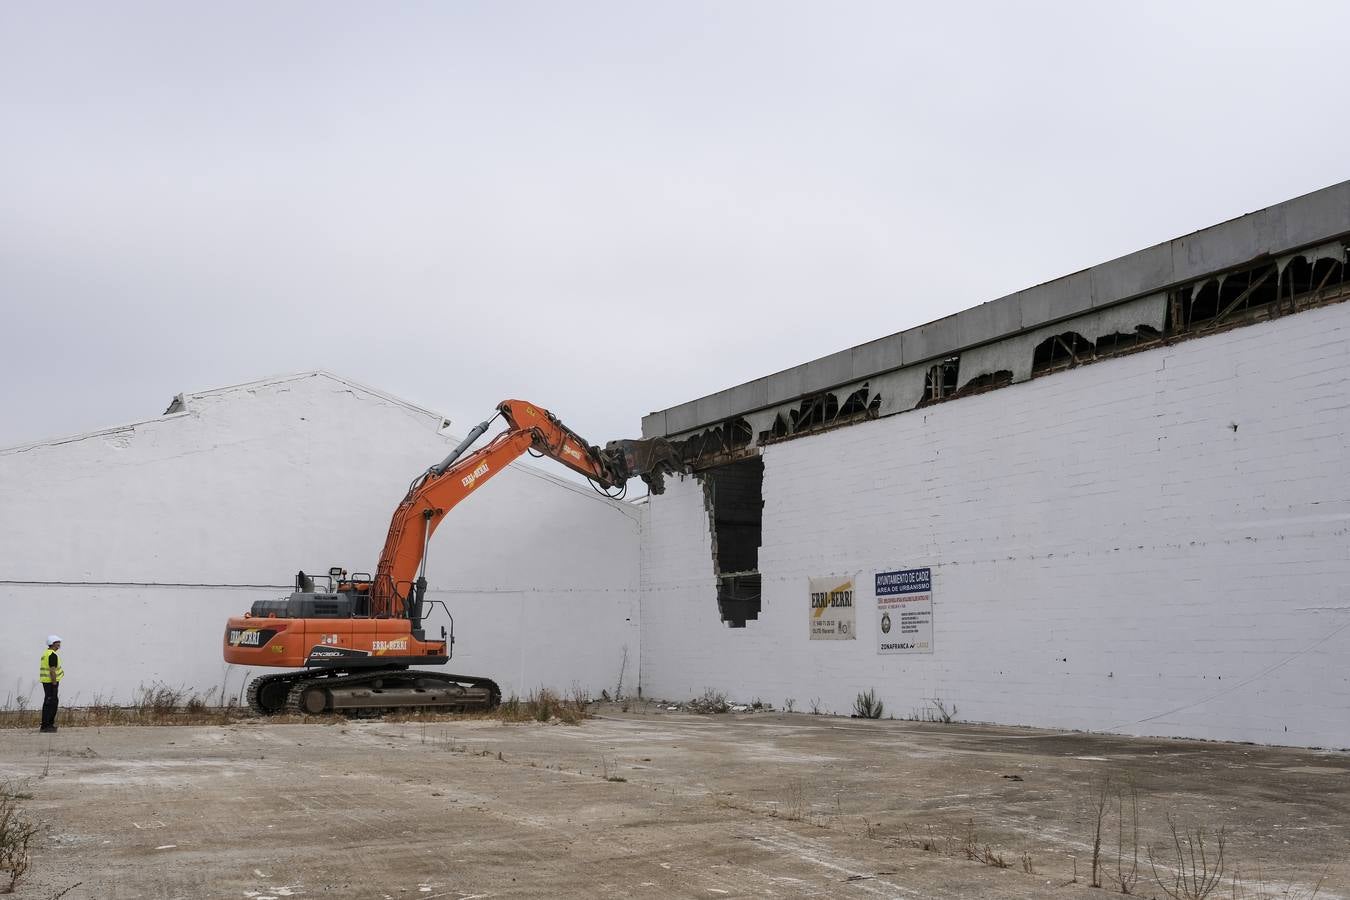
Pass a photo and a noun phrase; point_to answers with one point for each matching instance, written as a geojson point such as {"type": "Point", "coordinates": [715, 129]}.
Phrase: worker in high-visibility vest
{"type": "Point", "coordinates": [50, 674]}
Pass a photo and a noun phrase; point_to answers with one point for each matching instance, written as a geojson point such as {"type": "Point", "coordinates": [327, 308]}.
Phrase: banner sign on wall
{"type": "Point", "coordinates": [905, 611]}
{"type": "Point", "coordinates": [832, 609]}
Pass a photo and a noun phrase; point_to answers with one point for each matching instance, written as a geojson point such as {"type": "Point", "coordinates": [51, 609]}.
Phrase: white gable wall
{"type": "Point", "coordinates": [1108, 552]}
{"type": "Point", "coordinates": [135, 544]}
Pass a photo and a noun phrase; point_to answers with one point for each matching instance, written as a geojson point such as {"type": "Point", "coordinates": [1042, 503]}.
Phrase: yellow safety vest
{"type": "Point", "coordinates": [45, 671]}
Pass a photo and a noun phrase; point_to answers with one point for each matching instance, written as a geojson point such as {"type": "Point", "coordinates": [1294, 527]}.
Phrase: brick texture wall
{"type": "Point", "coordinates": [1156, 544]}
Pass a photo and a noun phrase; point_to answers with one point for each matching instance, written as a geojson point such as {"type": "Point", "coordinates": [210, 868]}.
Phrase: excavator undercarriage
{"type": "Point", "coordinates": [369, 692]}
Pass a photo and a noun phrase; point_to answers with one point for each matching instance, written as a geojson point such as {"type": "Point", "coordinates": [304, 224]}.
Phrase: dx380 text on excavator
{"type": "Point", "coordinates": [358, 638]}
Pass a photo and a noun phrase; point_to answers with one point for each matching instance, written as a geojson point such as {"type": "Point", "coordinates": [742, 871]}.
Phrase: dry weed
{"type": "Point", "coordinates": [867, 706]}
{"type": "Point", "coordinates": [17, 833]}
{"type": "Point", "coordinates": [156, 704]}
{"type": "Point", "coordinates": [975, 851]}
{"type": "Point", "coordinates": [1193, 866]}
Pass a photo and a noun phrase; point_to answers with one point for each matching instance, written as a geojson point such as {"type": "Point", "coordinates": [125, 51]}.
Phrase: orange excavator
{"type": "Point", "coordinates": [359, 637]}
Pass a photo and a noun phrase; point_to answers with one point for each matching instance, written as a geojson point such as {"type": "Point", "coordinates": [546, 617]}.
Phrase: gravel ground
{"type": "Point", "coordinates": [655, 803]}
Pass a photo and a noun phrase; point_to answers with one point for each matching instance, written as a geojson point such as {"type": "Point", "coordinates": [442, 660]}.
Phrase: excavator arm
{"type": "Point", "coordinates": [398, 584]}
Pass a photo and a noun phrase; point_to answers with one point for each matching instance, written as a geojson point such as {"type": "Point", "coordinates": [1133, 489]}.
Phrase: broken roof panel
{"type": "Point", "coordinates": [1277, 230]}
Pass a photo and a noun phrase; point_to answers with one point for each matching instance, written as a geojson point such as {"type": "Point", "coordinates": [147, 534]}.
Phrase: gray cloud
{"type": "Point", "coordinates": [606, 208]}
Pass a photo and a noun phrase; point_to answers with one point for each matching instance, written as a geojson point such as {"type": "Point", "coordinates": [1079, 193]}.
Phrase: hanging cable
{"type": "Point", "coordinates": [619, 494]}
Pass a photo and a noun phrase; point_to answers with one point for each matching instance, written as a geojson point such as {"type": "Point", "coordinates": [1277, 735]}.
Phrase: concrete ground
{"type": "Point", "coordinates": [653, 803]}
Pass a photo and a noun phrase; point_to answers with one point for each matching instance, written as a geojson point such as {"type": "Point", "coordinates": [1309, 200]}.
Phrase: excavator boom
{"type": "Point", "coordinates": [433, 494]}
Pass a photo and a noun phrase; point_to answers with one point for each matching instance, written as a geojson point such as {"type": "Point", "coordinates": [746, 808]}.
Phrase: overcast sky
{"type": "Point", "coordinates": [605, 208]}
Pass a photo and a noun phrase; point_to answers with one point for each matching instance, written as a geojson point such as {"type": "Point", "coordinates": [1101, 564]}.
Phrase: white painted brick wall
{"type": "Point", "coordinates": [1108, 553]}
{"type": "Point", "coordinates": [143, 541]}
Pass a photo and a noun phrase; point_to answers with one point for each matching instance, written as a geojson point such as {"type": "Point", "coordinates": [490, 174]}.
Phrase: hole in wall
{"type": "Point", "coordinates": [1255, 292]}
{"type": "Point", "coordinates": [860, 403]}
{"type": "Point", "coordinates": [722, 441]}
{"type": "Point", "coordinates": [1204, 303]}
{"type": "Point", "coordinates": [1327, 273]}
{"type": "Point", "coordinates": [1247, 290]}
{"type": "Point", "coordinates": [734, 495]}
{"type": "Point", "coordinates": [822, 411]}
{"type": "Point", "coordinates": [1231, 295]}
{"type": "Point", "coordinates": [1314, 282]}
{"type": "Point", "coordinates": [941, 380]}
{"type": "Point", "coordinates": [1297, 277]}
{"type": "Point", "coordinates": [1061, 351]}
{"type": "Point", "coordinates": [813, 411]}
{"type": "Point", "coordinates": [1119, 342]}
{"type": "Point", "coordinates": [986, 382]}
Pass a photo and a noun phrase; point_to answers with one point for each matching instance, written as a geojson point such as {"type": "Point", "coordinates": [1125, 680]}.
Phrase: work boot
{"type": "Point", "coordinates": [47, 729]}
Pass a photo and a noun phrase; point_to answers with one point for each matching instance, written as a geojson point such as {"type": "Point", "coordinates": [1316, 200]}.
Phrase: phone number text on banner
{"type": "Point", "coordinates": [832, 616]}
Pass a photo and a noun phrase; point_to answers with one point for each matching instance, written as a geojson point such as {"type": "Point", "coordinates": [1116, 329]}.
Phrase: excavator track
{"type": "Point", "coordinates": [267, 693]}
{"type": "Point", "coordinates": [371, 693]}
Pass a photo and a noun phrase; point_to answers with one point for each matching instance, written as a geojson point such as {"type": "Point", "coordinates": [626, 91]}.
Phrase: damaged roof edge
{"type": "Point", "coordinates": [1292, 225]}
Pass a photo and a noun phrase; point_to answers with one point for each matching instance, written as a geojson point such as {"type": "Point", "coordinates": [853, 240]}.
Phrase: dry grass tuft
{"type": "Point", "coordinates": [975, 851]}
{"type": "Point", "coordinates": [867, 706]}
{"type": "Point", "coordinates": [544, 705]}
{"type": "Point", "coordinates": [155, 704]}
{"type": "Point", "coordinates": [17, 833]}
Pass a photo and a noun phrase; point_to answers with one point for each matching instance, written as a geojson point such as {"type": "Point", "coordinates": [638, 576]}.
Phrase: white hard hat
{"type": "Point", "coordinates": [53, 639]}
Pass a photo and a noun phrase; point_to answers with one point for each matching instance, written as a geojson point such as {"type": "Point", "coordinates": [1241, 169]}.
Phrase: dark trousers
{"type": "Point", "coordinates": [49, 701]}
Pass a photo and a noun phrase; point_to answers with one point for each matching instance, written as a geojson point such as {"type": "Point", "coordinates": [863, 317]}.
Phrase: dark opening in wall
{"type": "Point", "coordinates": [1061, 351]}
{"type": "Point", "coordinates": [1232, 295]}
{"type": "Point", "coordinates": [1204, 303]}
{"type": "Point", "coordinates": [1256, 292]}
{"type": "Point", "coordinates": [1302, 278]}
{"type": "Point", "coordinates": [716, 444]}
{"type": "Point", "coordinates": [1111, 344]}
{"type": "Point", "coordinates": [1298, 276]}
{"type": "Point", "coordinates": [986, 382]}
{"type": "Point", "coordinates": [858, 403]}
{"type": "Point", "coordinates": [734, 494]}
{"type": "Point", "coordinates": [821, 411]}
{"type": "Point", "coordinates": [940, 382]}
{"type": "Point", "coordinates": [1248, 290]}
{"type": "Point", "coordinates": [814, 411]}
